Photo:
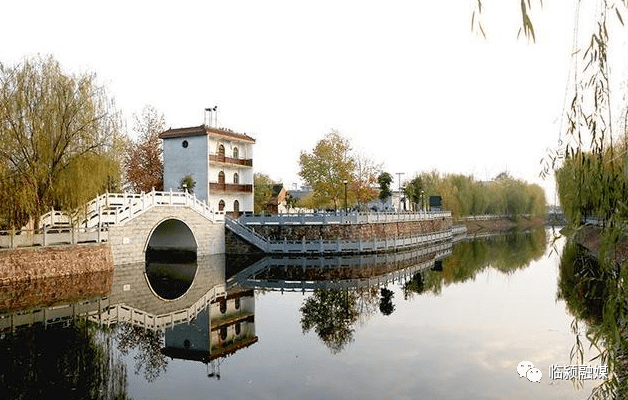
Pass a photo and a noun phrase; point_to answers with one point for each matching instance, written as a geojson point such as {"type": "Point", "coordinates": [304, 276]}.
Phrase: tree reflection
{"type": "Point", "coordinates": [148, 360]}
{"type": "Point", "coordinates": [596, 295]}
{"type": "Point", "coordinates": [386, 305]}
{"type": "Point", "coordinates": [332, 314]}
{"type": "Point", "coordinates": [61, 362]}
{"type": "Point", "coordinates": [505, 253]}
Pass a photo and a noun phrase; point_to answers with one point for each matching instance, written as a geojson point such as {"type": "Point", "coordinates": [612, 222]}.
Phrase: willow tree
{"type": "Point", "coordinates": [59, 140]}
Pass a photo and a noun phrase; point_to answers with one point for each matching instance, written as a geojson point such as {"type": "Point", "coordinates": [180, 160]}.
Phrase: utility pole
{"type": "Point", "coordinates": [399, 191]}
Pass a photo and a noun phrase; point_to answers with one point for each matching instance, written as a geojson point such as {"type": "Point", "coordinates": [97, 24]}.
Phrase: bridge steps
{"type": "Point", "coordinates": [119, 208]}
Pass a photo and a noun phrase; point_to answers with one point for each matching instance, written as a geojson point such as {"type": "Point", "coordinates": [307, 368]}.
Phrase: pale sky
{"type": "Point", "coordinates": [409, 84]}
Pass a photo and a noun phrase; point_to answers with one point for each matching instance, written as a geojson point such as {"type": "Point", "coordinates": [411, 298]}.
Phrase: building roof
{"type": "Point", "coordinates": [205, 130]}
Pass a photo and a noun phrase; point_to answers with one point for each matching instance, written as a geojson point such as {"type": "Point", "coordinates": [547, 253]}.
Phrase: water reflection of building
{"type": "Point", "coordinates": [225, 326]}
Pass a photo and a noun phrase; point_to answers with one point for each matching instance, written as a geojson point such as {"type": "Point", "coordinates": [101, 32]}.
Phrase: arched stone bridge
{"type": "Point", "coordinates": [162, 221]}
{"type": "Point", "coordinates": [133, 223]}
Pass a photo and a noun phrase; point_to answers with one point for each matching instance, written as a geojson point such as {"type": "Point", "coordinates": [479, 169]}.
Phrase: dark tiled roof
{"type": "Point", "coordinates": [204, 130]}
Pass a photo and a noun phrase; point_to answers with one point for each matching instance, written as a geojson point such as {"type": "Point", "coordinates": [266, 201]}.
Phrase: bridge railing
{"type": "Point", "coordinates": [52, 236]}
{"type": "Point", "coordinates": [340, 218]}
{"type": "Point", "coordinates": [356, 246]}
{"type": "Point", "coordinates": [380, 280]}
{"type": "Point", "coordinates": [123, 313]}
{"type": "Point", "coordinates": [334, 246]}
{"type": "Point", "coordinates": [117, 208]}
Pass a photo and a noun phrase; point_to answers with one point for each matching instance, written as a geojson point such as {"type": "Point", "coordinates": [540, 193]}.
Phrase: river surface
{"type": "Point", "coordinates": [449, 322]}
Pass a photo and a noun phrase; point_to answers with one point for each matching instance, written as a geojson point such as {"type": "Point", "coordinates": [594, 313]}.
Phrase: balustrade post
{"type": "Point", "coordinates": [170, 202]}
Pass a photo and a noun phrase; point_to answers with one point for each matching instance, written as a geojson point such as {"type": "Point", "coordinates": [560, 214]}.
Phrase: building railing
{"type": "Point", "coordinates": [230, 187]}
{"type": "Point", "coordinates": [230, 160]}
{"type": "Point", "coordinates": [340, 218]}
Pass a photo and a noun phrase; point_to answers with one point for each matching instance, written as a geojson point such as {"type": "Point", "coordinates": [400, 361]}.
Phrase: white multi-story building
{"type": "Point", "coordinates": [219, 160]}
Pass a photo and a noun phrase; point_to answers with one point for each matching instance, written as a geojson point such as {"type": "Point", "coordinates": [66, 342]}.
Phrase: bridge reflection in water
{"type": "Point", "coordinates": [209, 316]}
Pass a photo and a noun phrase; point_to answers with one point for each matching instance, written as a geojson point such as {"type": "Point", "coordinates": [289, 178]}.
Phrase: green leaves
{"type": "Point", "coordinates": [53, 128]}
{"type": "Point", "coordinates": [327, 168]}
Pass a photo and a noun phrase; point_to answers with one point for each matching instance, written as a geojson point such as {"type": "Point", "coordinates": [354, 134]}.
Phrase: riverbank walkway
{"type": "Point", "coordinates": [243, 228]}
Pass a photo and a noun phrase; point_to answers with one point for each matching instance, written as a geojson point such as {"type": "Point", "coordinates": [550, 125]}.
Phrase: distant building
{"type": "Point", "coordinates": [277, 204]}
{"type": "Point", "coordinates": [436, 203]}
{"type": "Point", "coordinates": [219, 160]}
{"type": "Point", "coordinates": [298, 195]}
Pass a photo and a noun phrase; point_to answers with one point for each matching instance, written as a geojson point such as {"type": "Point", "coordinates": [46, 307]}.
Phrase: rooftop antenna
{"type": "Point", "coordinates": [211, 117]}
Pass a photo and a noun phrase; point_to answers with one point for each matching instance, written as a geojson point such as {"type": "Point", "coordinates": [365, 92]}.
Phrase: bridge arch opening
{"type": "Point", "coordinates": [171, 264]}
{"type": "Point", "coordinates": [171, 240]}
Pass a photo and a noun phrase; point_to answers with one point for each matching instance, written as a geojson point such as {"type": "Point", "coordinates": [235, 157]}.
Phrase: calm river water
{"type": "Point", "coordinates": [447, 322]}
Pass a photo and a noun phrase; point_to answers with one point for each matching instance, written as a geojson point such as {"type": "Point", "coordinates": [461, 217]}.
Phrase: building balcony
{"type": "Point", "coordinates": [230, 187]}
{"type": "Point", "coordinates": [216, 158]}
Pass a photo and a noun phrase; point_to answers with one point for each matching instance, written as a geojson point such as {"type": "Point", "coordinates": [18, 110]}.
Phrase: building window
{"type": "Point", "coordinates": [235, 152]}
{"type": "Point", "coordinates": [223, 333]}
{"type": "Point", "coordinates": [184, 144]}
{"type": "Point", "coordinates": [221, 205]}
{"type": "Point", "coordinates": [236, 206]}
{"type": "Point", "coordinates": [238, 329]}
{"type": "Point", "coordinates": [221, 177]}
{"type": "Point", "coordinates": [237, 303]}
{"type": "Point", "coordinates": [236, 178]}
{"type": "Point", "coordinates": [223, 306]}
{"type": "Point", "coordinates": [221, 150]}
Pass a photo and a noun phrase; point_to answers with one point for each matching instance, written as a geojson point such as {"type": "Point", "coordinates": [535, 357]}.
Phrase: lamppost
{"type": "Point", "coordinates": [345, 182]}
{"type": "Point", "coordinates": [185, 187]}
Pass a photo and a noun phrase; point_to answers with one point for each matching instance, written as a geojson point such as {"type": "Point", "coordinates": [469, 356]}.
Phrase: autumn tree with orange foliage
{"type": "Point", "coordinates": [143, 161]}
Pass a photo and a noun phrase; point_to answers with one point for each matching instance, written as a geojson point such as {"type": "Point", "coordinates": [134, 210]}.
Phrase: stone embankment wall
{"type": "Point", "coordinates": [366, 232]}
{"type": "Point", "coordinates": [43, 276]}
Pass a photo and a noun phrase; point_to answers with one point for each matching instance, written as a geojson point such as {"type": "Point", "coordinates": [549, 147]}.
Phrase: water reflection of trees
{"type": "Point", "coordinates": [77, 362]}
{"type": "Point", "coordinates": [505, 253]}
{"type": "Point", "coordinates": [334, 313]}
{"type": "Point", "coordinates": [149, 360]}
{"type": "Point", "coordinates": [597, 296]}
